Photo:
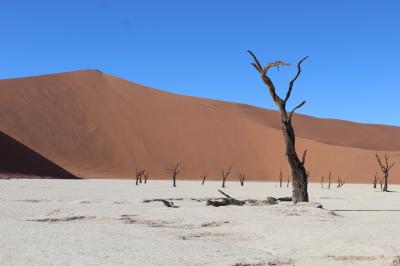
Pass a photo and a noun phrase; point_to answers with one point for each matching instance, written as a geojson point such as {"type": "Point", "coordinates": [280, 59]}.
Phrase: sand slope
{"type": "Point", "coordinates": [97, 125]}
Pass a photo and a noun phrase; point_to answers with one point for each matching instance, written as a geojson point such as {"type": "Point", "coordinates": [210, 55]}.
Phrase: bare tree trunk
{"type": "Point", "coordinates": [280, 178]}
{"type": "Point", "coordinates": [299, 174]}
{"type": "Point", "coordinates": [385, 185]}
{"type": "Point", "coordinates": [329, 180]}
{"type": "Point", "coordinates": [204, 179]}
{"type": "Point", "coordinates": [146, 176]}
{"type": "Point", "coordinates": [225, 175]}
{"type": "Point", "coordinates": [241, 177]}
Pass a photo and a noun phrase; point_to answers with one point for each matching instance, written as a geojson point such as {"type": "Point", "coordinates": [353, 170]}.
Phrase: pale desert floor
{"type": "Point", "coordinates": [104, 222]}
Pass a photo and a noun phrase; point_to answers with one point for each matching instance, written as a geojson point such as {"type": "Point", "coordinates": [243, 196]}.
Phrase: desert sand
{"type": "Point", "coordinates": [94, 125]}
{"type": "Point", "coordinates": [93, 222]}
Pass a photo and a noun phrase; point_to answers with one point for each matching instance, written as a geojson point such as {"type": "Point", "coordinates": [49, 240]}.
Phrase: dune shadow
{"type": "Point", "coordinates": [18, 160]}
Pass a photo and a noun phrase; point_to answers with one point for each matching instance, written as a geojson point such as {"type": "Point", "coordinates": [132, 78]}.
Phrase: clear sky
{"type": "Point", "coordinates": [199, 48]}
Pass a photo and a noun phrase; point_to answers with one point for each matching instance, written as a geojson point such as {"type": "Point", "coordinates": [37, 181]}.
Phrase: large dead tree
{"type": "Point", "coordinates": [299, 173]}
{"type": "Point", "coordinates": [225, 175]}
{"type": "Point", "coordinates": [173, 171]}
{"type": "Point", "coordinates": [385, 168]}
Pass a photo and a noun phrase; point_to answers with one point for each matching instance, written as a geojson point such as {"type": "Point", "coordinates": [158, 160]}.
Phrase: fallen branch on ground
{"type": "Point", "coordinates": [167, 203]}
{"type": "Point", "coordinates": [224, 201]}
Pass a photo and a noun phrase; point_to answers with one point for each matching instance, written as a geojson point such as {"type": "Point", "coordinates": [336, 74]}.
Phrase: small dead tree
{"type": "Point", "coordinates": [385, 168]}
{"type": "Point", "coordinates": [329, 180]}
{"type": "Point", "coordinates": [340, 182]}
{"type": "Point", "coordinates": [288, 181]}
{"type": "Point", "coordinates": [139, 173]}
{"type": "Point", "coordinates": [375, 180]}
{"type": "Point", "coordinates": [241, 177]}
{"type": "Point", "coordinates": [225, 175]}
{"type": "Point", "coordinates": [280, 178]}
{"type": "Point", "coordinates": [204, 177]}
{"type": "Point", "coordinates": [174, 171]}
{"type": "Point", "coordinates": [322, 181]}
{"type": "Point", "coordinates": [299, 174]}
{"type": "Point", "coordinates": [145, 176]}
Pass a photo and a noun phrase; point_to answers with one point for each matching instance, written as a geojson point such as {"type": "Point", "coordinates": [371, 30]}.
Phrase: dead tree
{"type": "Point", "coordinates": [204, 177]}
{"type": "Point", "coordinates": [241, 177]}
{"type": "Point", "coordinates": [138, 175]}
{"type": "Point", "coordinates": [385, 168]}
{"type": "Point", "coordinates": [322, 181]}
{"type": "Point", "coordinates": [145, 176]}
{"type": "Point", "coordinates": [329, 180]}
{"type": "Point", "coordinates": [280, 178]}
{"type": "Point", "coordinates": [375, 180]}
{"type": "Point", "coordinates": [299, 174]}
{"type": "Point", "coordinates": [173, 171]}
{"type": "Point", "coordinates": [340, 182]}
{"type": "Point", "coordinates": [288, 181]}
{"type": "Point", "coordinates": [225, 175]}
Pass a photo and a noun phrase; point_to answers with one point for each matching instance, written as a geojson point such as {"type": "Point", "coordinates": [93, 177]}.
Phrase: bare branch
{"type": "Point", "coordinates": [274, 64]}
{"type": "Point", "coordinates": [294, 79]}
{"type": "Point", "coordinates": [303, 159]}
{"type": "Point", "coordinates": [294, 109]}
{"type": "Point", "coordinates": [224, 175]}
{"type": "Point", "coordinates": [223, 193]}
{"type": "Point", "coordinates": [256, 63]}
{"type": "Point", "coordinates": [266, 79]}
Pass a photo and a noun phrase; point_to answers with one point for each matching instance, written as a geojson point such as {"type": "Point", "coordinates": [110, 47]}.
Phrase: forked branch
{"type": "Point", "coordinates": [294, 109]}
{"type": "Point", "coordinates": [294, 79]}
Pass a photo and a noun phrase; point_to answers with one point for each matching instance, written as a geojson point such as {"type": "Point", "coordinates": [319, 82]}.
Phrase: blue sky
{"type": "Point", "coordinates": [199, 48]}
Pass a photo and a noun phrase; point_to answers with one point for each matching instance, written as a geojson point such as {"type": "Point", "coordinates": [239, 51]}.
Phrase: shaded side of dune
{"type": "Point", "coordinates": [17, 160]}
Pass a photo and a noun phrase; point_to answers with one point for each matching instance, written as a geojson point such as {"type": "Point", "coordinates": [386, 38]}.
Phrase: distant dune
{"type": "Point", "coordinates": [95, 125]}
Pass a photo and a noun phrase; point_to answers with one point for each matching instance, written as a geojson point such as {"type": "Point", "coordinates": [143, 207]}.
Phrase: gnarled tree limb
{"type": "Point", "coordinates": [294, 79]}
{"type": "Point", "coordinates": [294, 109]}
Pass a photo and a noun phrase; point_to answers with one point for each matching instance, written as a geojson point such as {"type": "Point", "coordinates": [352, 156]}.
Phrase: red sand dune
{"type": "Point", "coordinates": [99, 126]}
